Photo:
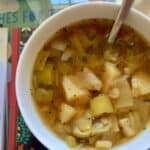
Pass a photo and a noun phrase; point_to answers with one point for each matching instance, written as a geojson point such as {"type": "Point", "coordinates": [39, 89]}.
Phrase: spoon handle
{"type": "Point", "coordinates": [123, 13]}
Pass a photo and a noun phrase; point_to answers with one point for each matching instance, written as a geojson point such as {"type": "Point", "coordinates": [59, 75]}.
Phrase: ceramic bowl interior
{"type": "Point", "coordinates": [47, 29]}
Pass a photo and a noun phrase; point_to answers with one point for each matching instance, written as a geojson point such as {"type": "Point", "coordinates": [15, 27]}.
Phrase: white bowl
{"type": "Point", "coordinates": [24, 70]}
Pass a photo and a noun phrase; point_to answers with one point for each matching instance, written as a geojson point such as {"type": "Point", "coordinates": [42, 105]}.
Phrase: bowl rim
{"type": "Point", "coordinates": [38, 29]}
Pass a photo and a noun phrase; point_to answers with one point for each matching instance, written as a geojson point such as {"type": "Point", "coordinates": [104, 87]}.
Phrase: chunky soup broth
{"type": "Point", "coordinates": [89, 93]}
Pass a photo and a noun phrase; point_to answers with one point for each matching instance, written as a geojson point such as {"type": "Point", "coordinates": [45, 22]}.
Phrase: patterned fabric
{"type": "Point", "coordinates": [23, 133]}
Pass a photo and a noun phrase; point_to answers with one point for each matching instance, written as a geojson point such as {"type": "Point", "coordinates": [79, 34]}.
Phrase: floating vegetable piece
{"type": "Point", "coordinates": [41, 60]}
{"type": "Point", "coordinates": [100, 104]}
{"type": "Point", "coordinates": [128, 130]}
{"type": "Point", "coordinates": [84, 39]}
{"type": "Point", "coordinates": [114, 93]}
{"type": "Point", "coordinates": [43, 96]}
{"type": "Point", "coordinates": [76, 42]}
{"type": "Point", "coordinates": [59, 45]}
{"type": "Point", "coordinates": [71, 141]}
{"type": "Point", "coordinates": [46, 76]}
{"type": "Point", "coordinates": [103, 144]}
{"type": "Point", "coordinates": [72, 90]}
{"type": "Point", "coordinates": [140, 84]}
{"type": "Point", "coordinates": [110, 74]}
{"type": "Point", "coordinates": [125, 99]}
{"type": "Point", "coordinates": [66, 55]}
{"type": "Point", "coordinates": [82, 126]}
{"type": "Point", "coordinates": [101, 126]}
{"type": "Point", "coordinates": [66, 113]}
{"type": "Point", "coordinates": [89, 80]}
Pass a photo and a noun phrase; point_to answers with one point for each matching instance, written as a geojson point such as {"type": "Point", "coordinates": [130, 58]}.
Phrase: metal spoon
{"type": "Point", "coordinates": [123, 13]}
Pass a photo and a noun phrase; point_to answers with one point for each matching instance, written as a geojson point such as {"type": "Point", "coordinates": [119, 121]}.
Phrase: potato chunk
{"type": "Point", "coordinates": [87, 80]}
{"type": "Point", "coordinates": [135, 120]}
{"type": "Point", "coordinates": [115, 124]}
{"type": "Point", "coordinates": [103, 144]}
{"type": "Point", "coordinates": [72, 90]}
{"type": "Point", "coordinates": [81, 134]}
{"type": "Point", "coordinates": [66, 55]}
{"type": "Point", "coordinates": [126, 126]}
{"type": "Point", "coordinates": [66, 113]}
{"type": "Point", "coordinates": [71, 141]}
{"type": "Point", "coordinates": [114, 93]}
{"type": "Point", "coordinates": [140, 84]}
{"type": "Point", "coordinates": [125, 99]}
{"type": "Point", "coordinates": [111, 71]}
{"type": "Point", "coordinates": [110, 74]}
{"type": "Point", "coordinates": [101, 126]}
{"type": "Point", "coordinates": [84, 122]}
{"type": "Point", "coordinates": [100, 104]}
{"type": "Point", "coordinates": [82, 126]}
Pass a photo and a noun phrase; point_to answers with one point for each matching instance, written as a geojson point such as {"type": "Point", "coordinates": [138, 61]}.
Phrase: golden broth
{"type": "Point", "coordinates": [100, 113]}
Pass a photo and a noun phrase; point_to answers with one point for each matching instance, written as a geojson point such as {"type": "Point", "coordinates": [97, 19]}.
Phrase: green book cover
{"type": "Point", "coordinates": [30, 14]}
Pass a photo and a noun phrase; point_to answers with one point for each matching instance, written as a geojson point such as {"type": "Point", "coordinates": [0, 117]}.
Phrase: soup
{"type": "Point", "coordinates": [92, 94]}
